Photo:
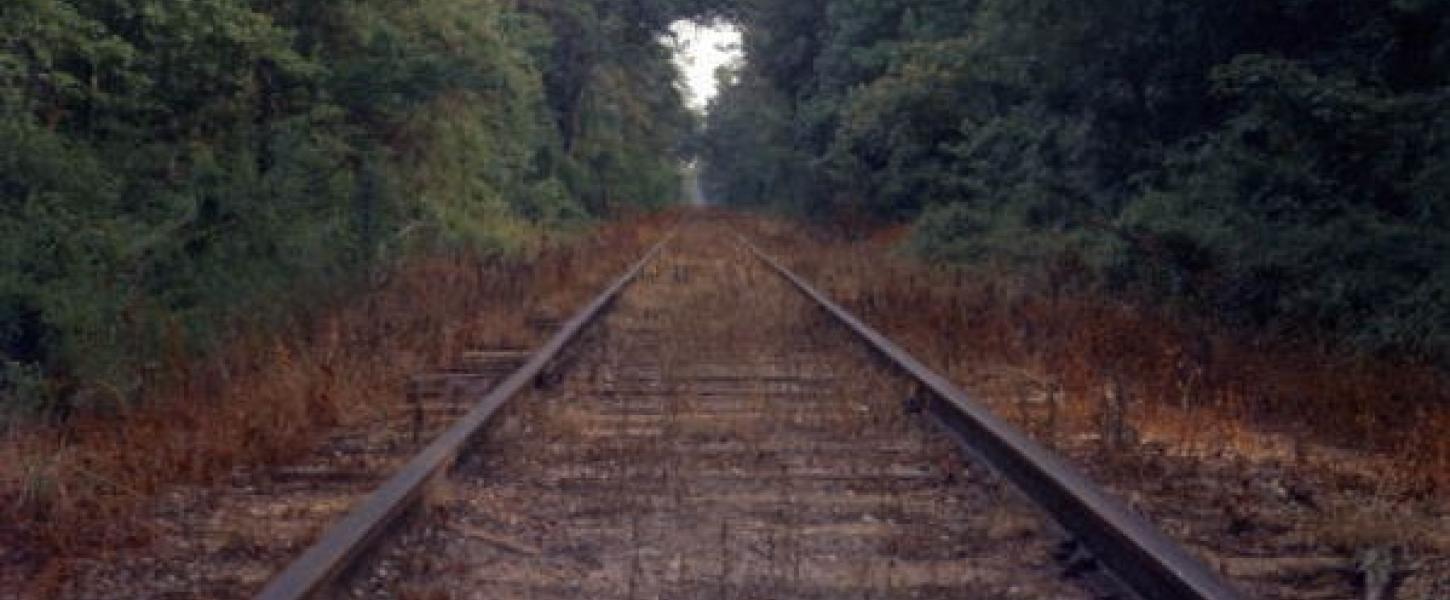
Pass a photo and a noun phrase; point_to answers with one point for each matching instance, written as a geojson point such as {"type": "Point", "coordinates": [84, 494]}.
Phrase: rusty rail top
{"type": "Point", "coordinates": [1133, 550]}
{"type": "Point", "coordinates": [348, 540]}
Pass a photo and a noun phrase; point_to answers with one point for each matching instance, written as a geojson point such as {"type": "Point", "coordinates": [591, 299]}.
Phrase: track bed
{"type": "Point", "coordinates": [715, 436]}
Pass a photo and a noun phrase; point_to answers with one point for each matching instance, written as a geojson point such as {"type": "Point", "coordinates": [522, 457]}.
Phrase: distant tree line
{"type": "Point", "coordinates": [1284, 164]}
{"type": "Point", "coordinates": [168, 164]}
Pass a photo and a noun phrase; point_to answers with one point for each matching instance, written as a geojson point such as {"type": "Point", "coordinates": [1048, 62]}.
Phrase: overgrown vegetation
{"type": "Point", "coordinates": [169, 165]}
{"type": "Point", "coordinates": [1282, 165]}
{"type": "Point", "coordinates": [81, 487]}
{"type": "Point", "coordinates": [1168, 368]}
{"type": "Point", "coordinates": [1186, 419]}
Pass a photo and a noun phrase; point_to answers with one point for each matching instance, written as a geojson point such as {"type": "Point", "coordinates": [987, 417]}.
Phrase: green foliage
{"type": "Point", "coordinates": [1283, 164]}
{"type": "Point", "coordinates": [1314, 203]}
{"type": "Point", "coordinates": [170, 165]}
{"type": "Point", "coordinates": [754, 163]}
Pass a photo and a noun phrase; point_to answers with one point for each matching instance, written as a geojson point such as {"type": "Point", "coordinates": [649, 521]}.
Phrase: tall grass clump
{"type": "Point", "coordinates": [269, 395]}
{"type": "Point", "coordinates": [1178, 366]}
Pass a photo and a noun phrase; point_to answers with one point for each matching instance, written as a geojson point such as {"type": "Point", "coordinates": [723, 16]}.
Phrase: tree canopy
{"type": "Point", "coordinates": [1283, 164]}
{"type": "Point", "coordinates": [169, 163]}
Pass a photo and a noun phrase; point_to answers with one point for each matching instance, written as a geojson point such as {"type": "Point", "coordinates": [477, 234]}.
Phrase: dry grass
{"type": "Point", "coordinates": [80, 488]}
{"type": "Point", "coordinates": [1154, 372]}
{"type": "Point", "coordinates": [1297, 471]}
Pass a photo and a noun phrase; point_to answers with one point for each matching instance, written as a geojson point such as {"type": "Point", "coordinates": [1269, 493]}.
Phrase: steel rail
{"type": "Point", "coordinates": [1133, 550]}
{"type": "Point", "coordinates": [349, 539]}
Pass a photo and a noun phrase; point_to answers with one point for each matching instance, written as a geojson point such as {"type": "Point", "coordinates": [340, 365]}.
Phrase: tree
{"type": "Point", "coordinates": [169, 165]}
{"type": "Point", "coordinates": [1214, 154]}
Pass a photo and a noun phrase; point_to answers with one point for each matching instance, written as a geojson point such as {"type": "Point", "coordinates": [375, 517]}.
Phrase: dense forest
{"type": "Point", "coordinates": [170, 165]}
{"type": "Point", "coordinates": [1282, 164]}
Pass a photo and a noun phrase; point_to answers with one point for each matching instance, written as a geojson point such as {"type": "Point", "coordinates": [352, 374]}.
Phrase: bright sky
{"type": "Point", "coordinates": [701, 50]}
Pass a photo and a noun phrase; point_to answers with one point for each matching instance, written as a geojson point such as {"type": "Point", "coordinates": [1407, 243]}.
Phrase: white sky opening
{"type": "Point", "coordinates": [700, 50]}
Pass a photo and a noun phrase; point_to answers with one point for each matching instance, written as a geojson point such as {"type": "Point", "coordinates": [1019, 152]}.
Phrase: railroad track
{"type": "Point", "coordinates": [713, 427]}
